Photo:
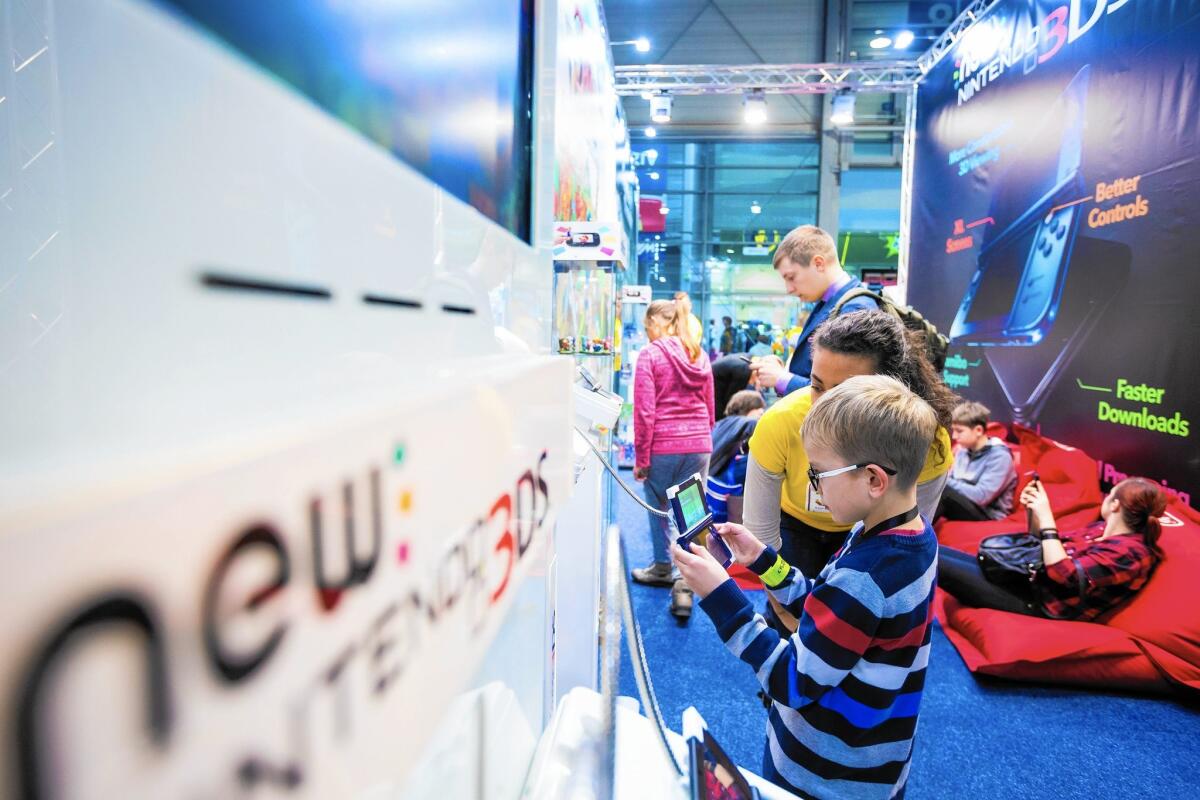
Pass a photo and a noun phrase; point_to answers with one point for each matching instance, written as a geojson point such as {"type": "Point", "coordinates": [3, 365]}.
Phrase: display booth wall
{"type": "Point", "coordinates": [1053, 220]}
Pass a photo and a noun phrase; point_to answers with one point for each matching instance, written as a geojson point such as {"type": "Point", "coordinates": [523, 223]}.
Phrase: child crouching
{"type": "Point", "coordinates": [846, 687]}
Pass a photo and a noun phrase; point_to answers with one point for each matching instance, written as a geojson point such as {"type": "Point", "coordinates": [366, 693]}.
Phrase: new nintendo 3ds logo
{"type": "Point", "coordinates": [982, 55]}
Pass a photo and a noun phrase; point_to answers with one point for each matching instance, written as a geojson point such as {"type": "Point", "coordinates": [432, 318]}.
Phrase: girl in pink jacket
{"type": "Point", "coordinates": [672, 429]}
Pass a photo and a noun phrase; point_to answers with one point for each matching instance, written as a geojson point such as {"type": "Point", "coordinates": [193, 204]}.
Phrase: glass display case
{"type": "Point", "coordinates": [584, 307]}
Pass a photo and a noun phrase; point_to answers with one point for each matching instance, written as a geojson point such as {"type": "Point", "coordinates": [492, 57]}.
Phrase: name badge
{"type": "Point", "coordinates": [814, 503]}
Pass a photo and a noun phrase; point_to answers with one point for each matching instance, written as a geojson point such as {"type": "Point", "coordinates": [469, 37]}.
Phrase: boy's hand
{"type": "Point", "coordinates": [744, 545]}
{"type": "Point", "coordinates": [699, 569]}
{"type": "Point", "coordinates": [641, 473]}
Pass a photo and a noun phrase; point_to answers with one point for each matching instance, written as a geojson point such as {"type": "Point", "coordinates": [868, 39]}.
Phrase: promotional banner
{"type": "Point", "coordinates": [289, 623]}
{"type": "Point", "coordinates": [1054, 217]}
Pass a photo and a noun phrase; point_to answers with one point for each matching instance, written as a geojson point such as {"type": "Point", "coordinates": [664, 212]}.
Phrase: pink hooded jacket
{"type": "Point", "coordinates": [672, 402]}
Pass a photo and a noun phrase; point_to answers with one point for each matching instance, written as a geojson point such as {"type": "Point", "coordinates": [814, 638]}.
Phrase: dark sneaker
{"type": "Point", "coordinates": [654, 575]}
{"type": "Point", "coordinates": [681, 600]}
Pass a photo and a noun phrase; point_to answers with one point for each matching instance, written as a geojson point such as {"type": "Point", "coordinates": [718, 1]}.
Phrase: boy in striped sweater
{"type": "Point", "coordinates": [846, 687]}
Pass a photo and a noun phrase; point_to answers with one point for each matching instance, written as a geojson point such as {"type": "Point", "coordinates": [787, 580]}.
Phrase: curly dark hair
{"type": "Point", "coordinates": [896, 351]}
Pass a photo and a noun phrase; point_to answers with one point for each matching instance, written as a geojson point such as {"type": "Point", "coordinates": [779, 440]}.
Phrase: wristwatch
{"type": "Point", "coordinates": [1048, 533]}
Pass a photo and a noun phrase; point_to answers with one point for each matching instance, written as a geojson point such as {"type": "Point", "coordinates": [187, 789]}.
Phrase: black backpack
{"type": "Point", "coordinates": [936, 345]}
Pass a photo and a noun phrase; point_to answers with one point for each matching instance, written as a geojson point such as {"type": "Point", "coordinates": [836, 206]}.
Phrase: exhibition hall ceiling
{"type": "Point", "coordinates": [760, 32]}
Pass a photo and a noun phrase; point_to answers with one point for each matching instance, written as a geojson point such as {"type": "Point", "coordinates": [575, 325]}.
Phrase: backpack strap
{"type": "Point", "coordinates": [860, 291]}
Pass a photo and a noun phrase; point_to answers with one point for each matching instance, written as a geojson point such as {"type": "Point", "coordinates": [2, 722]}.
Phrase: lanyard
{"type": "Point", "coordinates": [891, 522]}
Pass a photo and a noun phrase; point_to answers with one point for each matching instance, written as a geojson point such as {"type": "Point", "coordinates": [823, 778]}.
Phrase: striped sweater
{"type": "Point", "coordinates": [846, 687]}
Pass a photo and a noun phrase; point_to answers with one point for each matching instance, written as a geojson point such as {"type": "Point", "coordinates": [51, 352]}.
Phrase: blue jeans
{"type": "Point", "coordinates": [665, 472]}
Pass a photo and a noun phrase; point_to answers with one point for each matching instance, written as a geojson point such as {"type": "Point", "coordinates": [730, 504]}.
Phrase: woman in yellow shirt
{"type": "Point", "coordinates": [781, 508]}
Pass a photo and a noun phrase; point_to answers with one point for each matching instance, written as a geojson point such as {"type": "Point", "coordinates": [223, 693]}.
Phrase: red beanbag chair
{"type": "Point", "coordinates": [1151, 643]}
{"type": "Point", "coordinates": [1070, 478]}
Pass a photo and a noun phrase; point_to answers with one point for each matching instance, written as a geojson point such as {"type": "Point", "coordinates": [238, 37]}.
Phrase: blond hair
{"type": "Point", "coordinates": [874, 419]}
{"type": "Point", "coordinates": [675, 318]}
{"type": "Point", "coordinates": [801, 244]}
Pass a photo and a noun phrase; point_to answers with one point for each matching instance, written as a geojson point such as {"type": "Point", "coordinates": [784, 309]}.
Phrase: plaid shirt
{"type": "Point", "coordinates": [1112, 571]}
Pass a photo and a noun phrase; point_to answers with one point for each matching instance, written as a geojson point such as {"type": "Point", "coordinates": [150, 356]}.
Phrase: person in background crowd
{"type": "Point", "coordinates": [983, 477]}
{"type": "Point", "coordinates": [762, 347]}
{"type": "Point", "coordinates": [695, 329]}
{"type": "Point", "coordinates": [807, 262]}
{"type": "Point", "coordinates": [727, 467]}
{"type": "Point", "coordinates": [728, 336]}
{"type": "Point", "coordinates": [731, 374]}
{"type": "Point", "coordinates": [782, 509]}
{"type": "Point", "coordinates": [672, 429]}
{"type": "Point", "coordinates": [1085, 572]}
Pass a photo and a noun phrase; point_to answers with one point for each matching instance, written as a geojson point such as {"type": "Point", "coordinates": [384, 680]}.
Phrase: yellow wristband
{"type": "Point", "coordinates": [777, 573]}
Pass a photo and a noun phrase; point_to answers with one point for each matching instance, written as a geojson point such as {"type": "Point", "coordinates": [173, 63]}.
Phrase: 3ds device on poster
{"type": "Point", "coordinates": [694, 519]}
{"type": "Point", "coordinates": [712, 774]}
{"type": "Point", "coordinates": [1041, 286]}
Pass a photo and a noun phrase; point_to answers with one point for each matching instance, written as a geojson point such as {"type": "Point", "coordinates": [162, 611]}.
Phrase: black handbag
{"type": "Point", "coordinates": [1010, 560]}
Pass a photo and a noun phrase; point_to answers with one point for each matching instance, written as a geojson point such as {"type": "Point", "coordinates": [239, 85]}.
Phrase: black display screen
{"type": "Point", "coordinates": [1002, 269]}
{"type": "Point", "coordinates": [445, 87]}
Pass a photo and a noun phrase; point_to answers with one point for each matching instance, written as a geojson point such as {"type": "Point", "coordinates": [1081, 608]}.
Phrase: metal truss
{"type": "Point", "coordinates": [862, 76]}
{"type": "Point", "coordinates": [953, 33]}
{"type": "Point", "coordinates": [866, 76]}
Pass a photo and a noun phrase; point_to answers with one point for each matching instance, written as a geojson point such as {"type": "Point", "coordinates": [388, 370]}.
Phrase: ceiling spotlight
{"type": "Point", "coordinates": [904, 39]}
{"type": "Point", "coordinates": [660, 107]}
{"type": "Point", "coordinates": [664, 210]}
{"type": "Point", "coordinates": [880, 42]}
{"type": "Point", "coordinates": [653, 176]}
{"type": "Point", "coordinates": [754, 107]}
{"type": "Point", "coordinates": [728, 250]}
{"type": "Point", "coordinates": [650, 132]}
{"type": "Point", "coordinates": [843, 108]}
{"type": "Point", "coordinates": [755, 208]}
{"type": "Point", "coordinates": [641, 44]}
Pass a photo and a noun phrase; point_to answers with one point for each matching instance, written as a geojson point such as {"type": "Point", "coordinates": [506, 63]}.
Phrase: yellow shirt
{"type": "Point", "coordinates": [777, 447]}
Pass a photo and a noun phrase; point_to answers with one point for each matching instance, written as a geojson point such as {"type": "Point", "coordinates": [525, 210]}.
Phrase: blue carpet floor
{"type": "Point", "coordinates": [977, 738]}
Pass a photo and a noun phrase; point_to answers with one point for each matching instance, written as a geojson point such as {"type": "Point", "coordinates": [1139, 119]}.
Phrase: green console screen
{"type": "Point", "coordinates": [692, 504]}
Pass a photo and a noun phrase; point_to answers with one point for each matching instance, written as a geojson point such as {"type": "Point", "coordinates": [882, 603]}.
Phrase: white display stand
{"type": "Point", "coordinates": [567, 764]}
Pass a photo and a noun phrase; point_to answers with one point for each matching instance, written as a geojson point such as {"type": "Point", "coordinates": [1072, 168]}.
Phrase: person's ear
{"type": "Point", "coordinates": [818, 263]}
{"type": "Point", "coordinates": [877, 481]}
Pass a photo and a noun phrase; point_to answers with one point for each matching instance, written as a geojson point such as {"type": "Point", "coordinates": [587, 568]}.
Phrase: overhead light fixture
{"type": "Point", "coordinates": [904, 39]}
{"type": "Point", "coordinates": [641, 44]}
{"type": "Point", "coordinates": [647, 95]}
{"type": "Point", "coordinates": [880, 42]}
{"type": "Point", "coordinates": [727, 250]}
{"type": "Point", "coordinates": [754, 107]}
{"type": "Point", "coordinates": [650, 132]}
{"type": "Point", "coordinates": [843, 108]}
{"type": "Point", "coordinates": [660, 107]}
{"type": "Point", "coordinates": [664, 211]}
{"type": "Point", "coordinates": [653, 176]}
{"type": "Point", "coordinates": [755, 208]}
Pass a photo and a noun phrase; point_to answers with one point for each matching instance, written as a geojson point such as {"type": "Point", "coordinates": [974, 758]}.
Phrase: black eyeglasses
{"type": "Point", "coordinates": [814, 477]}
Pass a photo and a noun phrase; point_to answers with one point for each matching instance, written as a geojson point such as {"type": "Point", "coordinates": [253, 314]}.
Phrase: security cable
{"type": "Point", "coordinates": [655, 511]}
